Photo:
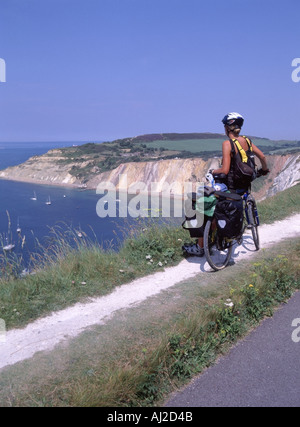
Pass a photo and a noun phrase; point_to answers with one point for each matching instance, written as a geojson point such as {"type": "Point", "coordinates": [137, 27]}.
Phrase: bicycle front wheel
{"type": "Point", "coordinates": [217, 251]}
{"type": "Point", "coordinates": [253, 224]}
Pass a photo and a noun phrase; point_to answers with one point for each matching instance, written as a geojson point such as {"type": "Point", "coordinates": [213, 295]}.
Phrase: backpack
{"type": "Point", "coordinates": [229, 216]}
{"type": "Point", "coordinates": [243, 164]}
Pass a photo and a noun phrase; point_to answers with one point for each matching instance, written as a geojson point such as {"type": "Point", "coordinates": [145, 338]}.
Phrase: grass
{"type": "Point", "coordinates": [69, 273]}
{"type": "Point", "coordinates": [281, 205]}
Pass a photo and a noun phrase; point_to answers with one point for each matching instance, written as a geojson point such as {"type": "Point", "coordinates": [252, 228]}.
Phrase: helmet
{"type": "Point", "coordinates": [233, 119]}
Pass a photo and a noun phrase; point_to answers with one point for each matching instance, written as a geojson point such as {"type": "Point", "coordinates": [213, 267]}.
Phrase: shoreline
{"type": "Point", "coordinates": [86, 187]}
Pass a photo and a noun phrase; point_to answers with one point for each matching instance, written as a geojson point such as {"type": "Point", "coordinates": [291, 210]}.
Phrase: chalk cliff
{"type": "Point", "coordinates": [51, 168]}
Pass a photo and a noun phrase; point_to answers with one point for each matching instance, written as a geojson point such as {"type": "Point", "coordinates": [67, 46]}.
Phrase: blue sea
{"type": "Point", "coordinates": [70, 208]}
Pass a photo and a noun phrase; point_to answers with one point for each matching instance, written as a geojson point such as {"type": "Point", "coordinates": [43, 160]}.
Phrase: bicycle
{"type": "Point", "coordinates": [218, 249]}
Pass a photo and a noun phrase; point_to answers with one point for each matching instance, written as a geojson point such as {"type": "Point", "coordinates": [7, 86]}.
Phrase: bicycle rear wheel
{"type": "Point", "coordinates": [253, 224]}
{"type": "Point", "coordinates": [217, 251]}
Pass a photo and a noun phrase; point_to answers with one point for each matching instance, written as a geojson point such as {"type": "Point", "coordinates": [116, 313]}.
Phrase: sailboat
{"type": "Point", "coordinates": [18, 227]}
{"type": "Point", "coordinates": [9, 246]}
{"type": "Point", "coordinates": [48, 201]}
{"type": "Point", "coordinates": [34, 196]}
{"type": "Point", "coordinates": [79, 232]}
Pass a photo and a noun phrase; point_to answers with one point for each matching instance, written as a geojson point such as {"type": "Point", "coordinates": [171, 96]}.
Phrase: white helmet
{"type": "Point", "coordinates": [233, 119]}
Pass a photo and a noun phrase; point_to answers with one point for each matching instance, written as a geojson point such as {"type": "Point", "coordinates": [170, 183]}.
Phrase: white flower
{"type": "Point", "coordinates": [148, 256]}
{"type": "Point", "coordinates": [229, 303]}
{"type": "Point", "coordinates": [160, 264]}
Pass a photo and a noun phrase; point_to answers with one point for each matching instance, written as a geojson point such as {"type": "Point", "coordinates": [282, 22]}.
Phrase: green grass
{"type": "Point", "coordinates": [215, 144]}
{"type": "Point", "coordinates": [281, 205]}
{"type": "Point", "coordinates": [66, 275]}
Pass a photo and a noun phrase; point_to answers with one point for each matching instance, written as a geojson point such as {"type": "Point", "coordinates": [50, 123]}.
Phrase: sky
{"type": "Point", "coordinates": [97, 70]}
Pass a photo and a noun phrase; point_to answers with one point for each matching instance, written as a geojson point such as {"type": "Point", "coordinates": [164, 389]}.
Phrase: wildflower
{"type": "Point", "coordinates": [229, 303]}
{"type": "Point", "coordinates": [179, 240]}
{"type": "Point", "coordinates": [148, 256]}
{"type": "Point", "coordinates": [83, 283]}
{"type": "Point", "coordinates": [250, 286]}
{"type": "Point", "coordinates": [160, 264]}
{"type": "Point", "coordinates": [121, 271]}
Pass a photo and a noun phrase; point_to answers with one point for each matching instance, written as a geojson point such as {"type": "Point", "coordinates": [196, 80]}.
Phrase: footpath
{"type": "Point", "coordinates": [263, 370]}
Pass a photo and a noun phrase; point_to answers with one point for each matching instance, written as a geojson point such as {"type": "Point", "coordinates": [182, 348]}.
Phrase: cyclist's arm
{"type": "Point", "coordinates": [261, 157]}
{"type": "Point", "coordinates": [226, 159]}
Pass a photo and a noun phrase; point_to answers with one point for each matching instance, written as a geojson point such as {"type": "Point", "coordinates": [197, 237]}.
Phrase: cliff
{"type": "Point", "coordinates": [51, 168]}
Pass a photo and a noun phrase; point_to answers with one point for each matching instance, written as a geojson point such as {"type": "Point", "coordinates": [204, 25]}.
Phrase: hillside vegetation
{"type": "Point", "coordinates": [101, 157]}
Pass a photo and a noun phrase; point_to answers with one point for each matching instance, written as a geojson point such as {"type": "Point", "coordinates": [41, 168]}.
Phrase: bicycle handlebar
{"type": "Point", "coordinates": [260, 172]}
{"type": "Point", "coordinates": [222, 176]}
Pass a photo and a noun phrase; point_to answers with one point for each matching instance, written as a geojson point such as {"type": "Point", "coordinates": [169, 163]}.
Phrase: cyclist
{"type": "Point", "coordinates": [233, 123]}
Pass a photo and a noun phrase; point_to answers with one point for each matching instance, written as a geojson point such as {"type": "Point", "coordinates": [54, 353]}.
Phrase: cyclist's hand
{"type": "Point", "coordinates": [263, 172]}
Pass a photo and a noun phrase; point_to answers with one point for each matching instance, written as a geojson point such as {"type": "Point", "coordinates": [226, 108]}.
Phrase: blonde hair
{"type": "Point", "coordinates": [234, 130]}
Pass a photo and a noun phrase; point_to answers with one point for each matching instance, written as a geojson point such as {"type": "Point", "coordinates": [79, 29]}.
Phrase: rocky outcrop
{"type": "Point", "coordinates": [287, 177]}
{"type": "Point", "coordinates": [46, 169]}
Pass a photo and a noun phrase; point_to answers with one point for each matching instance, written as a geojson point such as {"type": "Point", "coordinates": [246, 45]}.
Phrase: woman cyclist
{"type": "Point", "coordinates": [233, 123]}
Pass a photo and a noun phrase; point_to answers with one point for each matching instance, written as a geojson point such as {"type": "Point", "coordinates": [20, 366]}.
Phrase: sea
{"type": "Point", "coordinates": [72, 211]}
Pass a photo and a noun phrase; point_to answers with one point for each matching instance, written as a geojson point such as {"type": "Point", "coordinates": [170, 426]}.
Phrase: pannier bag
{"type": "Point", "coordinates": [229, 217]}
{"type": "Point", "coordinates": [205, 205]}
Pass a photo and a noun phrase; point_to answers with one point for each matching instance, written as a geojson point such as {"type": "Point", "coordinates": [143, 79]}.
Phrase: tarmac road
{"type": "Point", "coordinates": [263, 370]}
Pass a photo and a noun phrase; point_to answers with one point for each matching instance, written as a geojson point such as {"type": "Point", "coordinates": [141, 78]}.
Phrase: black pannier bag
{"type": "Point", "coordinates": [204, 204]}
{"type": "Point", "coordinates": [229, 218]}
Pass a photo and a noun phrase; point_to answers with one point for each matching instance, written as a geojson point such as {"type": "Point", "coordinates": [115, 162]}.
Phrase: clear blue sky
{"type": "Point", "coordinates": [88, 70]}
